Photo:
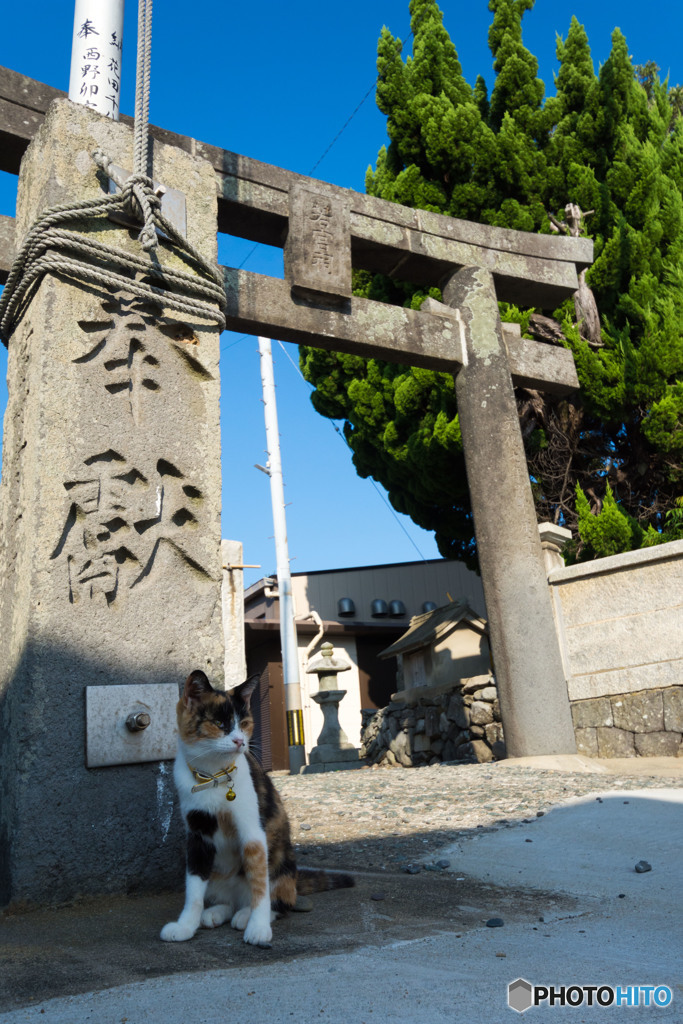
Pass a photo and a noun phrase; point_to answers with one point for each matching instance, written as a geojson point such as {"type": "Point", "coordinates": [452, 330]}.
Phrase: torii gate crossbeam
{"type": "Point", "coordinates": [474, 265]}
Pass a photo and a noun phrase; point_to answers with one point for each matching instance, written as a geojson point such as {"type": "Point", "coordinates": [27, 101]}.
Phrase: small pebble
{"type": "Point", "coordinates": [443, 864]}
{"type": "Point", "coordinates": [622, 895]}
{"type": "Point", "coordinates": [305, 828]}
{"type": "Point", "coordinates": [542, 920]}
{"type": "Point", "coordinates": [642, 866]}
{"type": "Point", "coordinates": [495, 922]}
{"type": "Point", "coordinates": [377, 896]}
{"type": "Point", "coordinates": [413, 869]}
{"type": "Point", "coordinates": [540, 814]}
{"type": "Point", "coordinates": [528, 840]}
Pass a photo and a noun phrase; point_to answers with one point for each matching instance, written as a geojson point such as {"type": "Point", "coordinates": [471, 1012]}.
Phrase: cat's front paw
{"type": "Point", "coordinates": [174, 931]}
{"type": "Point", "coordinates": [258, 933]}
{"type": "Point", "coordinates": [240, 919]}
{"type": "Point", "coordinates": [213, 917]}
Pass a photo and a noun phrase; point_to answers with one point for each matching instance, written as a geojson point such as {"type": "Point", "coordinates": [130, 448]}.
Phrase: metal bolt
{"type": "Point", "coordinates": [137, 721]}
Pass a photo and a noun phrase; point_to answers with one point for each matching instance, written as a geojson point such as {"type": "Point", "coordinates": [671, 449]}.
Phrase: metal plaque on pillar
{"type": "Point", "coordinates": [130, 724]}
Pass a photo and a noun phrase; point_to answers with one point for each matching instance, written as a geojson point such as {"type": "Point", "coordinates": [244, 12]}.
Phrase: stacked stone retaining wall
{"type": "Point", "coordinates": [648, 723]}
{"type": "Point", "coordinates": [463, 724]}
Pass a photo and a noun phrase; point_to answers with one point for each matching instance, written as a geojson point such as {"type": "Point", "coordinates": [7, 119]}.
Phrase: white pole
{"type": "Point", "coordinates": [290, 653]}
{"type": "Point", "coordinates": [95, 79]}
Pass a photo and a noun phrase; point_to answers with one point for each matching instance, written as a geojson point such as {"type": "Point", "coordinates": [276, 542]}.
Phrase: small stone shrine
{"type": "Point", "coordinates": [440, 647]}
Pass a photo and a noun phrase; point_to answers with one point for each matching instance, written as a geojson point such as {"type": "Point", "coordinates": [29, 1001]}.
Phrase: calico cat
{"type": "Point", "coordinates": [239, 853]}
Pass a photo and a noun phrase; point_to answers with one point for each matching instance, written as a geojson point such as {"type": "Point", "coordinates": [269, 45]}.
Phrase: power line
{"type": "Point", "coordinates": [337, 136]}
{"type": "Point", "coordinates": [334, 426]}
{"type": "Point", "coordinates": [343, 128]}
{"type": "Point", "coordinates": [348, 446]}
{"type": "Point", "coordinates": [226, 348]}
{"type": "Point", "coordinates": [350, 118]}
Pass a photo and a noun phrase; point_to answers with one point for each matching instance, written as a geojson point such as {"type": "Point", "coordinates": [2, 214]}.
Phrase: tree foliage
{"type": "Point", "coordinates": [610, 530]}
{"type": "Point", "coordinates": [611, 142]}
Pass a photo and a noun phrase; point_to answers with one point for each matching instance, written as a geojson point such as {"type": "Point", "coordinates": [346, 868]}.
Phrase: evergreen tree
{"type": "Point", "coordinates": [612, 144]}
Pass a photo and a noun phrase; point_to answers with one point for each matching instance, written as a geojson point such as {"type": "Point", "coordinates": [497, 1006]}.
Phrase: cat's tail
{"type": "Point", "coordinates": [316, 880]}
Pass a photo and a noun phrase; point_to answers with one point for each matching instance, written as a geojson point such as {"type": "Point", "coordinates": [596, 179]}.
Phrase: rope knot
{"type": "Point", "coordinates": [144, 204]}
{"type": "Point", "coordinates": [103, 161]}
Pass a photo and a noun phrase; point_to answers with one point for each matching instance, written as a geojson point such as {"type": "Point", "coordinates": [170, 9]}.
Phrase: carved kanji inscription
{"type": "Point", "coordinates": [130, 343]}
{"type": "Point", "coordinates": [318, 249]}
{"type": "Point", "coordinates": [118, 520]}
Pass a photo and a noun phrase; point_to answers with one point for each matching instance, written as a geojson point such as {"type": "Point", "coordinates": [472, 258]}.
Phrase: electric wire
{"type": "Point", "coordinates": [348, 447]}
{"type": "Point", "coordinates": [334, 140]}
{"type": "Point", "coordinates": [248, 256]}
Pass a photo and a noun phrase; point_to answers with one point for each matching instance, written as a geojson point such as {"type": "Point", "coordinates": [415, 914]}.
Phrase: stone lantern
{"type": "Point", "coordinates": [333, 749]}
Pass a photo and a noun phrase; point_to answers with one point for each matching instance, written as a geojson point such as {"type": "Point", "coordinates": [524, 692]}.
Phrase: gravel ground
{"type": "Point", "coordinates": [384, 819]}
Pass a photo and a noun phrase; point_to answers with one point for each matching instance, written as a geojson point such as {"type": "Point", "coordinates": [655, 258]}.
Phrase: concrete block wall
{"type": "Point", "coordinates": [620, 625]}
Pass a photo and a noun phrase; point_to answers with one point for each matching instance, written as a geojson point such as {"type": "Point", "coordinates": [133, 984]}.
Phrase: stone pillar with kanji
{"type": "Point", "coordinates": [110, 546]}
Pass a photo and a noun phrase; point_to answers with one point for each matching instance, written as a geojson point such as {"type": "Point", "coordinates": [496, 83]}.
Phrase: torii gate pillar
{"type": "Point", "coordinates": [110, 578]}
{"type": "Point", "coordinates": [528, 665]}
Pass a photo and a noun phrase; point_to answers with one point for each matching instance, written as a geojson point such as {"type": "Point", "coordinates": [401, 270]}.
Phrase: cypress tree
{"type": "Point", "coordinates": [612, 145]}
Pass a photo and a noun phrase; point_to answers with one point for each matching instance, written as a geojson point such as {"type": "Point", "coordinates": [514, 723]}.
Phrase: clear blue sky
{"type": "Point", "coordinates": [277, 82]}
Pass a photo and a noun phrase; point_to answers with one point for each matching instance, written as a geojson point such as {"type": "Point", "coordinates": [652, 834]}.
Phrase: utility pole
{"type": "Point", "coordinates": [290, 654]}
{"type": "Point", "coordinates": [95, 78]}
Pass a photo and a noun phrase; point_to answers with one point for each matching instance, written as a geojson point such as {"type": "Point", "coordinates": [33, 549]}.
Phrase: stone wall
{"type": "Point", "coordinates": [620, 622]}
{"type": "Point", "coordinates": [459, 724]}
{"type": "Point", "coordinates": [620, 625]}
{"type": "Point", "coordinates": [648, 723]}
{"type": "Point", "coordinates": [463, 724]}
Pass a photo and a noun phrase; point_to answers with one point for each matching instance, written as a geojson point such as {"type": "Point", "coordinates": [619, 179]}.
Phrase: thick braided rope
{"type": "Point", "coordinates": [39, 258]}
{"type": "Point", "coordinates": [139, 200]}
{"type": "Point", "coordinates": [81, 271]}
{"type": "Point", "coordinates": [34, 260]}
{"type": "Point", "coordinates": [139, 192]}
{"type": "Point", "coordinates": [142, 80]}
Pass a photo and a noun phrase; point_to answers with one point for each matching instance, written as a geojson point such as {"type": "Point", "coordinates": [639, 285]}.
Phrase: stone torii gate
{"type": "Point", "coordinates": [325, 231]}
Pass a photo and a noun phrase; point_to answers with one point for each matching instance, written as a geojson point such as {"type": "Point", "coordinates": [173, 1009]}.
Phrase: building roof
{"type": "Point", "coordinates": [378, 565]}
{"type": "Point", "coordinates": [431, 626]}
{"type": "Point", "coordinates": [395, 591]}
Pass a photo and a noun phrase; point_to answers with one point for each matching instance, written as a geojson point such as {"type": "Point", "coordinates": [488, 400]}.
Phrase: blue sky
{"type": "Point", "coordinates": [278, 82]}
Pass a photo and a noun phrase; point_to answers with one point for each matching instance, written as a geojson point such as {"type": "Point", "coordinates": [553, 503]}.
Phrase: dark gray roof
{"type": "Point", "coordinates": [425, 629]}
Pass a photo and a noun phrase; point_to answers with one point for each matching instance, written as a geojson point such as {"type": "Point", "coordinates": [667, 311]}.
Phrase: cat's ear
{"type": "Point", "coordinates": [245, 690]}
{"type": "Point", "coordinates": [196, 685]}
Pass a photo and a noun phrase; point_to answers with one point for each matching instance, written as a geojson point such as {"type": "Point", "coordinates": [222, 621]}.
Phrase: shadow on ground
{"type": "Point", "coordinates": [114, 940]}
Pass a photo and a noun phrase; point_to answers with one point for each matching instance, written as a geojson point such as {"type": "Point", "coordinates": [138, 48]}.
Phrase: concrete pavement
{"type": "Point", "coordinates": [414, 949]}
